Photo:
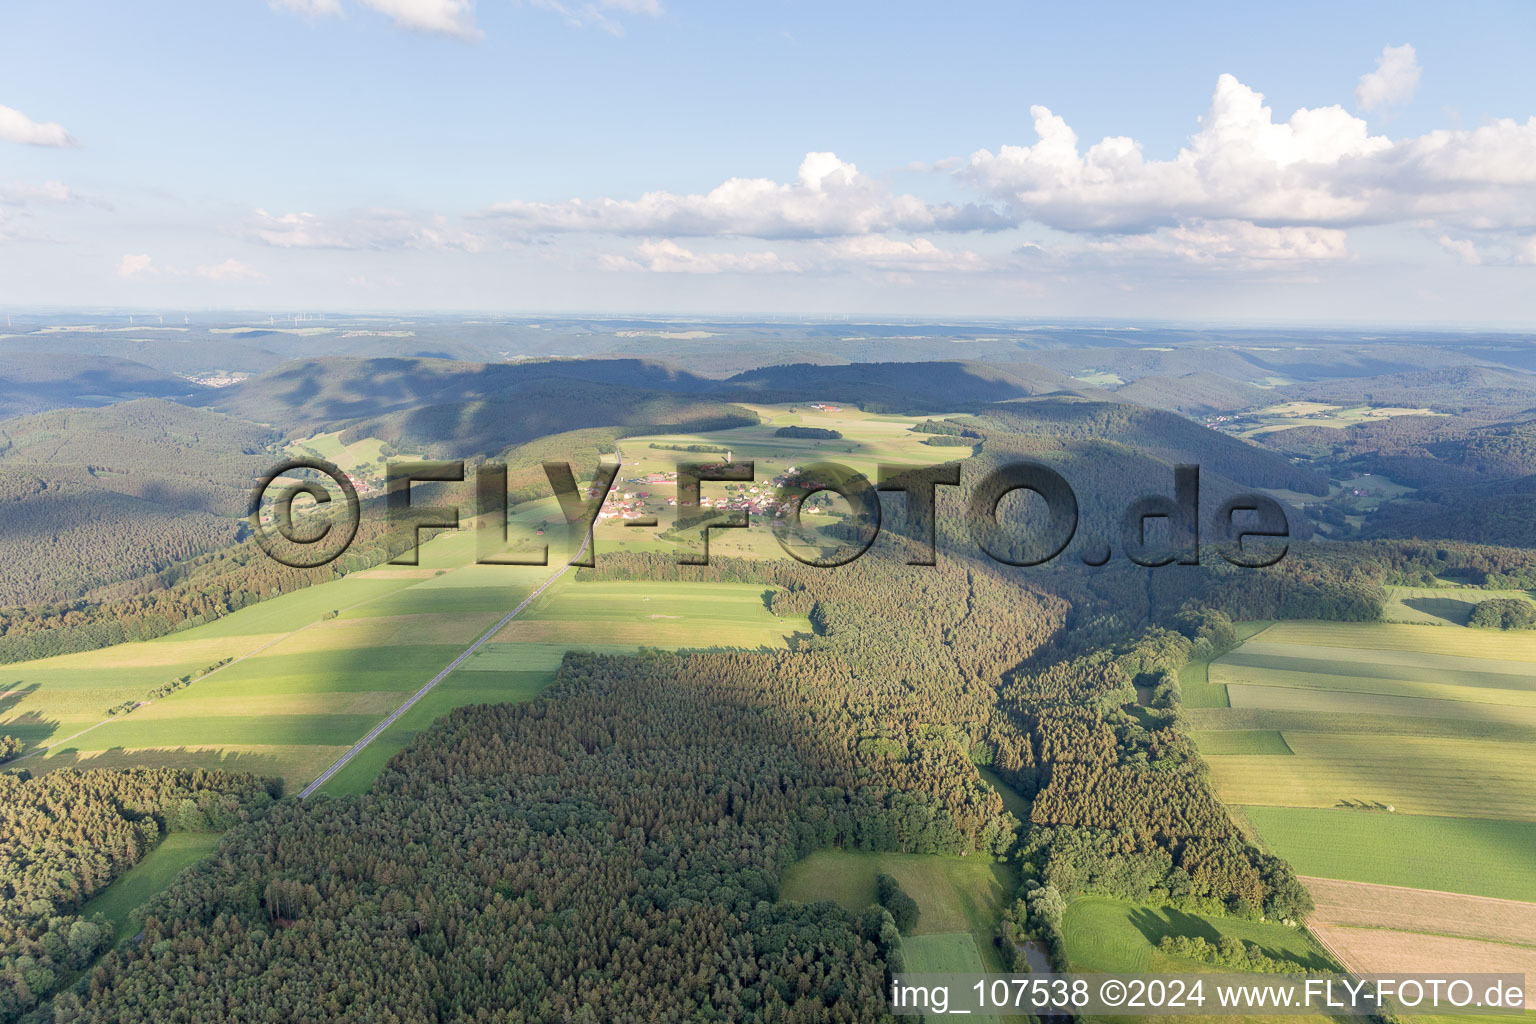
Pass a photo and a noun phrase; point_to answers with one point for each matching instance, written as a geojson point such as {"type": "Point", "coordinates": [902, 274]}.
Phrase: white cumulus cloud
{"type": "Point", "coordinates": [18, 127]}
{"type": "Point", "coordinates": [361, 229]}
{"type": "Point", "coordinates": [1229, 242]}
{"type": "Point", "coordinates": [1249, 187]}
{"type": "Point", "coordinates": [310, 8]}
{"type": "Point", "coordinates": [140, 266]}
{"type": "Point", "coordinates": [1395, 79]}
{"type": "Point", "coordinates": [829, 198]}
{"type": "Point", "coordinates": [667, 257]}
{"type": "Point", "coordinates": [454, 18]}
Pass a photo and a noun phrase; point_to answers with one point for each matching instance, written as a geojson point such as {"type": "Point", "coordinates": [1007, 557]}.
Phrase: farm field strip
{"type": "Point", "coordinates": [1392, 636]}
{"type": "Point", "coordinates": [1408, 794]}
{"type": "Point", "coordinates": [1384, 951]}
{"type": "Point", "coordinates": [1276, 661]}
{"type": "Point", "coordinates": [1253, 697]}
{"type": "Point", "coordinates": [1365, 905]}
{"type": "Point", "coordinates": [1404, 784]}
{"type": "Point", "coordinates": [1491, 857]}
{"type": "Point", "coordinates": [1472, 757]}
{"type": "Point", "coordinates": [656, 614]}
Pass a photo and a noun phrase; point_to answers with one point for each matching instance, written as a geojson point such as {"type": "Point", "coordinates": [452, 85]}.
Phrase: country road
{"type": "Point", "coordinates": [373, 734]}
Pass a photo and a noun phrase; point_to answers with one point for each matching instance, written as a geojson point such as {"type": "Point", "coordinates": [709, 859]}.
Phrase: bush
{"type": "Point", "coordinates": [814, 433]}
{"type": "Point", "coordinates": [894, 898]}
{"type": "Point", "coordinates": [1504, 613]}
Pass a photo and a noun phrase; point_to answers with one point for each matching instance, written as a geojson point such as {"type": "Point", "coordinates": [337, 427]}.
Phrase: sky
{"type": "Point", "coordinates": [1228, 162]}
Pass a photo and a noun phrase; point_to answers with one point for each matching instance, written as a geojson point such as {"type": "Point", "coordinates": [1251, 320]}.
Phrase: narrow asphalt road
{"type": "Point", "coordinates": [373, 734]}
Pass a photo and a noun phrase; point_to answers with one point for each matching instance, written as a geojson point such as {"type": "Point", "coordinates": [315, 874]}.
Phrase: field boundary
{"type": "Point", "coordinates": [394, 716]}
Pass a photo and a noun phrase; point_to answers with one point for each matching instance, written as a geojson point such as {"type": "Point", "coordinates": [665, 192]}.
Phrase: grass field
{"type": "Point", "coordinates": [1318, 414]}
{"type": "Point", "coordinates": [1102, 935]}
{"type": "Point", "coordinates": [157, 870]}
{"type": "Point", "coordinates": [960, 900]}
{"type": "Point", "coordinates": [1112, 936]}
{"type": "Point", "coordinates": [1471, 643]}
{"type": "Point", "coordinates": [1437, 606]}
{"type": "Point", "coordinates": [868, 440]}
{"type": "Point", "coordinates": [953, 894]}
{"type": "Point", "coordinates": [1428, 720]}
{"type": "Point", "coordinates": [1479, 856]}
{"type": "Point", "coordinates": [949, 953]}
{"type": "Point", "coordinates": [1195, 682]}
{"type": "Point", "coordinates": [1409, 761]}
{"type": "Point", "coordinates": [1242, 742]}
{"type": "Point", "coordinates": [656, 614]}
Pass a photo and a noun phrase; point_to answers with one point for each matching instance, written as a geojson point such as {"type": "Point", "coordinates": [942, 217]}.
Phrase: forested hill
{"type": "Point", "coordinates": [89, 497]}
{"type": "Point", "coordinates": [538, 408]}
{"type": "Point", "coordinates": [903, 387]}
{"type": "Point", "coordinates": [313, 394]}
{"type": "Point", "coordinates": [1489, 392]}
{"type": "Point", "coordinates": [1501, 512]}
{"type": "Point", "coordinates": [1195, 394]}
{"type": "Point", "coordinates": [32, 382]}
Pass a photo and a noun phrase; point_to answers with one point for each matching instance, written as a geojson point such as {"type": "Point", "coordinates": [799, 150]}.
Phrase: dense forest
{"type": "Point", "coordinates": [65, 835]}
{"type": "Point", "coordinates": [92, 497]}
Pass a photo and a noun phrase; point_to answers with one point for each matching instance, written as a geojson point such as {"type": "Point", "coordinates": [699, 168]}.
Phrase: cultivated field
{"type": "Point", "coordinates": [1386, 928]}
{"type": "Point", "coordinates": [654, 613]}
{"type": "Point", "coordinates": [317, 669]}
{"type": "Point", "coordinates": [1361, 905]}
{"type": "Point", "coordinates": [1478, 856]}
{"type": "Point", "coordinates": [1424, 720]}
{"type": "Point", "coordinates": [1407, 790]}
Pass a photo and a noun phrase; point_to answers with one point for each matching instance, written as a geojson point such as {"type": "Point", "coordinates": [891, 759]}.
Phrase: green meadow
{"type": "Point", "coordinates": [1102, 935]}
{"type": "Point", "coordinates": [957, 896]}
{"type": "Point", "coordinates": [1477, 856]}
{"type": "Point", "coordinates": [960, 899]}
{"type": "Point", "coordinates": [158, 869]}
{"type": "Point", "coordinates": [1438, 606]}
{"type": "Point", "coordinates": [655, 614]}
{"type": "Point", "coordinates": [1114, 936]}
{"type": "Point", "coordinates": [1397, 753]}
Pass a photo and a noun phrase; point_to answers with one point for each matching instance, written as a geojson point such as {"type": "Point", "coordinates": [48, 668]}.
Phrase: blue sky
{"type": "Point", "coordinates": [347, 154]}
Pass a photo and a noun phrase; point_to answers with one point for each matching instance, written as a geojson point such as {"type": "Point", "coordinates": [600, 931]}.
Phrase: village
{"type": "Point", "coordinates": [760, 500]}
